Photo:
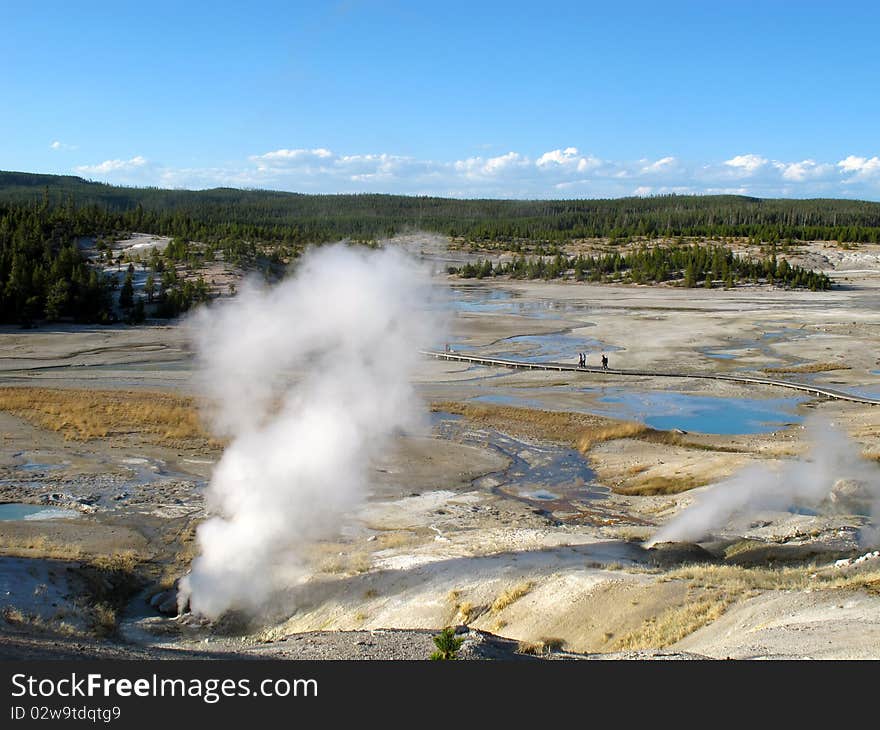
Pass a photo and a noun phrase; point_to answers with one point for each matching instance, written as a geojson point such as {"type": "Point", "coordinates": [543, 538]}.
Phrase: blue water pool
{"type": "Point", "coordinates": [702, 414]}
{"type": "Point", "coordinates": [14, 511]}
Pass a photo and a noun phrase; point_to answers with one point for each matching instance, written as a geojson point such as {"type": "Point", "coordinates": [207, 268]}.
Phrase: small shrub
{"type": "Point", "coordinates": [447, 644]}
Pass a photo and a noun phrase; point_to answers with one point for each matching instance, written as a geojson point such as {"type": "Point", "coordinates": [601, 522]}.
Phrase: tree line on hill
{"type": "Point", "coordinates": [225, 214]}
{"type": "Point", "coordinates": [690, 266]}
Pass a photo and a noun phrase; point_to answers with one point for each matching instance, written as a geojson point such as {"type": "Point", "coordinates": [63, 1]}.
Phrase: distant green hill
{"type": "Point", "coordinates": [44, 275]}
{"type": "Point", "coordinates": [298, 218]}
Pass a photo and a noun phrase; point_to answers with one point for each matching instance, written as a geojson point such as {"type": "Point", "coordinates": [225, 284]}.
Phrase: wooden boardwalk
{"type": "Point", "coordinates": [813, 390]}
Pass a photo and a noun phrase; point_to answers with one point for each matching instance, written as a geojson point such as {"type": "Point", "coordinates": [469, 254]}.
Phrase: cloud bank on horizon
{"type": "Point", "coordinates": [559, 173]}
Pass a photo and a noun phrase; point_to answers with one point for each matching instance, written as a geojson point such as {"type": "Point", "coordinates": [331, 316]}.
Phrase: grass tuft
{"type": "Point", "coordinates": [544, 645]}
{"type": "Point", "coordinates": [510, 596]}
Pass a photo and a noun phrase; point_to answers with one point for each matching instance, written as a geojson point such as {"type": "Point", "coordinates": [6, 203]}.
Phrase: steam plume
{"type": "Point", "coordinates": [310, 379]}
{"type": "Point", "coordinates": [832, 459]}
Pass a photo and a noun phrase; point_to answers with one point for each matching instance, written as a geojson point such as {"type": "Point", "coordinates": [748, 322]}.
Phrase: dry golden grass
{"type": "Point", "coordinates": [631, 430]}
{"type": "Point", "coordinates": [736, 579]}
{"type": "Point", "coordinates": [44, 547]}
{"type": "Point", "coordinates": [660, 485]}
{"type": "Point", "coordinates": [816, 367]}
{"type": "Point", "coordinates": [673, 624]}
{"type": "Point", "coordinates": [124, 561]}
{"type": "Point", "coordinates": [510, 596]}
{"type": "Point", "coordinates": [581, 430]}
{"type": "Point", "coordinates": [33, 622]}
{"type": "Point", "coordinates": [83, 415]}
{"type": "Point", "coordinates": [465, 612]}
{"type": "Point", "coordinates": [531, 648]}
{"type": "Point", "coordinates": [543, 645]}
{"type": "Point", "coordinates": [39, 546]}
{"type": "Point", "coordinates": [104, 619]}
{"type": "Point", "coordinates": [741, 547]}
{"type": "Point", "coordinates": [715, 587]}
{"type": "Point", "coordinates": [394, 539]}
{"type": "Point", "coordinates": [623, 430]}
{"type": "Point", "coordinates": [347, 564]}
{"type": "Point", "coordinates": [562, 427]}
{"type": "Point", "coordinates": [632, 533]}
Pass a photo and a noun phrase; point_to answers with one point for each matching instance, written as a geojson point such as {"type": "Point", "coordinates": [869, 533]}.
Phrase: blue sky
{"type": "Point", "coordinates": [518, 99]}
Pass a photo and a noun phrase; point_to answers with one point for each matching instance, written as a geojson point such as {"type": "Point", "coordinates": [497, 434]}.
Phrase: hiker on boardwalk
{"type": "Point", "coordinates": [604, 361]}
{"type": "Point", "coordinates": [582, 360]}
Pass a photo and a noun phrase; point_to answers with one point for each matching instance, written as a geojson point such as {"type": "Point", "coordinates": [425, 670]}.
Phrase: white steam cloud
{"type": "Point", "coordinates": [832, 471]}
{"type": "Point", "coordinates": [311, 378]}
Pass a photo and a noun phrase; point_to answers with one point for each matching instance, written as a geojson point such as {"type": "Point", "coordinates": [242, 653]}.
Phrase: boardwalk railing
{"type": "Point", "coordinates": [815, 390]}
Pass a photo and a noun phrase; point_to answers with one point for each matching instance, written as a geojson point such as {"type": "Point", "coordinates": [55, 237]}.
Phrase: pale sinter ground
{"type": "Point", "coordinates": [484, 521]}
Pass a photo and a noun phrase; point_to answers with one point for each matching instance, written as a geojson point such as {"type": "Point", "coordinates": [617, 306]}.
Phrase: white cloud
{"type": "Point", "coordinates": [803, 170]}
{"type": "Point", "coordinates": [860, 167]}
{"type": "Point", "coordinates": [59, 146]}
{"type": "Point", "coordinates": [479, 167]}
{"type": "Point", "coordinates": [563, 171]}
{"type": "Point", "coordinates": [108, 167]}
{"type": "Point", "coordinates": [568, 158]}
{"type": "Point", "coordinates": [558, 157]}
{"type": "Point", "coordinates": [300, 154]}
{"type": "Point", "coordinates": [588, 163]}
{"type": "Point", "coordinates": [746, 163]}
{"type": "Point", "coordinates": [497, 165]}
{"type": "Point", "coordinates": [661, 165]}
{"type": "Point", "coordinates": [741, 190]}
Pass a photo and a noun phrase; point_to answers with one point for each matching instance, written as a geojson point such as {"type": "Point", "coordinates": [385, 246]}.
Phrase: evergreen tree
{"type": "Point", "coordinates": [126, 293]}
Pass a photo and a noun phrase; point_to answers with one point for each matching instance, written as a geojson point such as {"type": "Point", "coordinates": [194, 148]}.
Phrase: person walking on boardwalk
{"type": "Point", "coordinates": [604, 361]}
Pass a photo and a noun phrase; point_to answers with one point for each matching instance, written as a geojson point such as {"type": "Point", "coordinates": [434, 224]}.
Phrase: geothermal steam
{"type": "Point", "coordinates": [805, 482]}
{"type": "Point", "coordinates": [311, 378]}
